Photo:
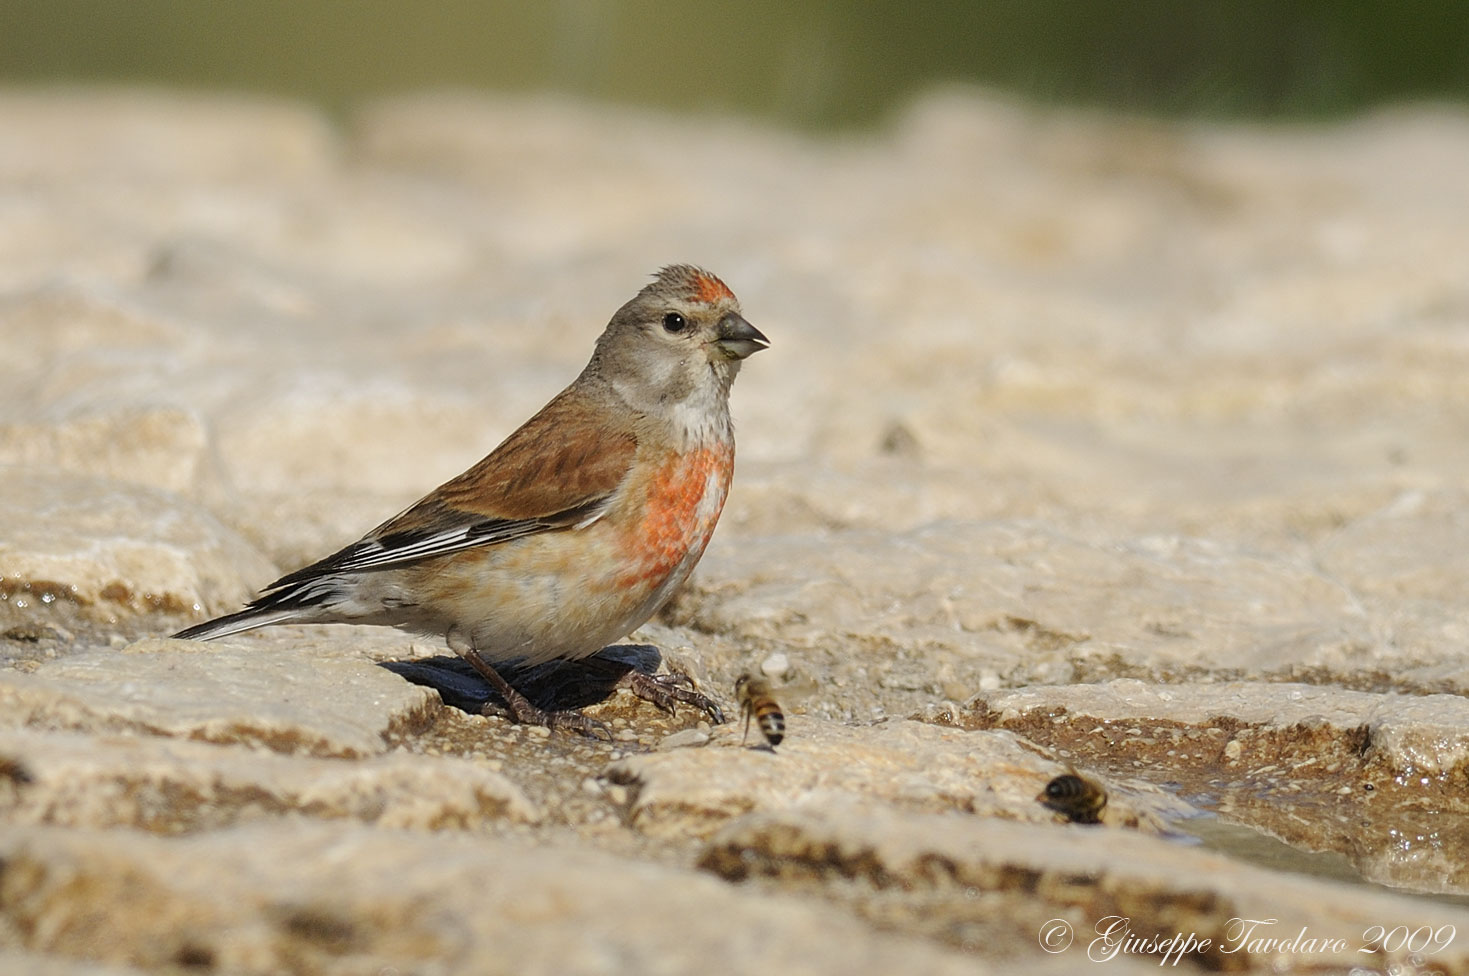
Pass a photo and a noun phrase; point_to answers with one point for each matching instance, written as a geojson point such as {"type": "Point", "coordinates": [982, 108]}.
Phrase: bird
{"type": "Point", "coordinates": [572, 532]}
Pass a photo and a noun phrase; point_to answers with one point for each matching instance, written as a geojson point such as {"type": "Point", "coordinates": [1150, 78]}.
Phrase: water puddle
{"type": "Point", "coordinates": [1244, 843]}
{"type": "Point", "coordinates": [1311, 798]}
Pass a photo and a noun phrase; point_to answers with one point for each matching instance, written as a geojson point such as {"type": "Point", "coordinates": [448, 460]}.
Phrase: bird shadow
{"type": "Point", "coordinates": [551, 686]}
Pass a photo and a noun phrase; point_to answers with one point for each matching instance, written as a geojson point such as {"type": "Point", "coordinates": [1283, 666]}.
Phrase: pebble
{"type": "Point", "coordinates": [684, 739]}
{"type": "Point", "coordinates": [776, 665]}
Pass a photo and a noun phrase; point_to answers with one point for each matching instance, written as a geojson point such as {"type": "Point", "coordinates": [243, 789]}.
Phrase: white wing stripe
{"type": "Point", "coordinates": [372, 554]}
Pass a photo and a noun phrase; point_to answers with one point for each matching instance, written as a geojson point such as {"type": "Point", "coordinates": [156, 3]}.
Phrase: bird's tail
{"type": "Point", "coordinates": [235, 623]}
{"type": "Point", "coordinates": [298, 603]}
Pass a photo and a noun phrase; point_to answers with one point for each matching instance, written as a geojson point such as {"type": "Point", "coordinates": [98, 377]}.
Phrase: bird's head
{"type": "Point", "coordinates": [678, 341]}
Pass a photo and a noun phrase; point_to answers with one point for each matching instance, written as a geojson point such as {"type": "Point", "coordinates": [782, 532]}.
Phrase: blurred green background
{"type": "Point", "coordinates": [815, 64]}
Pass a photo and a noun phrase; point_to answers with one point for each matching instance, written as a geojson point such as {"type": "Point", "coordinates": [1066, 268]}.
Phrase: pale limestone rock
{"type": "Point", "coordinates": [160, 447]}
{"type": "Point", "coordinates": [334, 899]}
{"type": "Point", "coordinates": [1052, 397]}
{"type": "Point", "coordinates": [161, 136]}
{"type": "Point", "coordinates": [685, 739]}
{"type": "Point", "coordinates": [901, 764]}
{"type": "Point", "coordinates": [130, 169]}
{"type": "Point", "coordinates": [63, 335]}
{"type": "Point", "coordinates": [1052, 872]}
{"type": "Point", "coordinates": [1408, 564]}
{"type": "Point", "coordinates": [20, 963]}
{"type": "Point", "coordinates": [1404, 734]}
{"type": "Point", "coordinates": [107, 553]}
{"type": "Point", "coordinates": [1025, 598]}
{"type": "Point", "coordinates": [287, 700]}
{"type": "Point", "coordinates": [172, 786]}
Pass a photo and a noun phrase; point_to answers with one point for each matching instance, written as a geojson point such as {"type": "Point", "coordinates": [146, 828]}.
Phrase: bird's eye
{"type": "Point", "coordinates": [674, 322]}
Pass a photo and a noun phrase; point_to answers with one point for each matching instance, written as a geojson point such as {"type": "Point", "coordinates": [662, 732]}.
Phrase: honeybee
{"type": "Point", "coordinates": [757, 701]}
{"type": "Point", "coordinates": [1079, 799]}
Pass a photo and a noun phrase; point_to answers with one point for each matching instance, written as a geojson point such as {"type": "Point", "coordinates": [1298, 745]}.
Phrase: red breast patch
{"type": "Point", "coordinates": [672, 525]}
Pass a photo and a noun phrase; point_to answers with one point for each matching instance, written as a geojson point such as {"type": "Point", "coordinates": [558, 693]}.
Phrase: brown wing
{"type": "Point", "coordinates": [557, 471]}
{"type": "Point", "coordinates": [557, 460]}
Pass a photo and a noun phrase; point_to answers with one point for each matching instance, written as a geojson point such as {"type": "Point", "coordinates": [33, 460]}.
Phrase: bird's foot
{"type": "Point", "coordinates": [522, 711]}
{"type": "Point", "coordinates": [667, 690]}
{"type": "Point", "coordinates": [569, 719]}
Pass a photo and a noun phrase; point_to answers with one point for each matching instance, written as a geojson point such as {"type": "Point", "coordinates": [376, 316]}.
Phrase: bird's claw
{"type": "Point", "coordinates": [522, 711]}
{"type": "Point", "coordinates": [568, 719]}
{"type": "Point", "coordinates": [573, 721]}
{"type": "Point", "coordinates": [667, 690]}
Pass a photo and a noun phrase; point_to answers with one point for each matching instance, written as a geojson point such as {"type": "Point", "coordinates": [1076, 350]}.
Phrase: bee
{"type": "Point", "coordinates": [758, 702]}
{"type": "Point", "coordinates": [1079, 799]}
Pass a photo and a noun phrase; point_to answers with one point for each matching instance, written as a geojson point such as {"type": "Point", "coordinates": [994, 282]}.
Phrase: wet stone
{"type": "Point", "coordinates": [1375, 777]}
{"type": "Point", "coordinates": [958, 873]}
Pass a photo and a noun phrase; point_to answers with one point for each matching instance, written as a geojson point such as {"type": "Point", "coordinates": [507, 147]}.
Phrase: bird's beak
{"type": "Point", "coordinates": [737, 338]}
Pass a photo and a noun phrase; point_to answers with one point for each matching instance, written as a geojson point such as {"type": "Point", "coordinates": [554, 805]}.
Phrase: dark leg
{"type": "Point", "coordinates": [527, 714]}
{"type": "Point", "coordinates": [665, 690]}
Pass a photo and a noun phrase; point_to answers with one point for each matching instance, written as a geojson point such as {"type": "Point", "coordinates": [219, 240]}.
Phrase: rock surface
{"type": "Point", "coordinates": [346, 900]}
{"type": "Point", "coordinates": [903, 765]}
{"type": "Point", "coordinates": [1127, 886]}
{"type": "Point", "coordinates": [1378, 778]}
{"type": "Point", "coordinates": [281, 697]}
{"type": "Point", "coordinates": [1084, 445]}
{"type": "Point", "coordinates": [171, 786]}
{"type": "Point", "coordinates": [87, 552]}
